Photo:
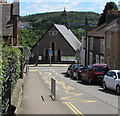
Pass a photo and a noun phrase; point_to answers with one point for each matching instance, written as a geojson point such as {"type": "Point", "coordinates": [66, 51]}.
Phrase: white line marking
{"type": "Point", "coordinates": [49, 73]}
{"type": "Point", "coordinates": [57, 74]}
{"type": "Point", "coordinates": [61, 76]}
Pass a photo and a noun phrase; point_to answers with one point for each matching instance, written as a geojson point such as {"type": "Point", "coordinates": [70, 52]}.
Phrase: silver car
{"type": "Point", "coordinates": [112, 80]}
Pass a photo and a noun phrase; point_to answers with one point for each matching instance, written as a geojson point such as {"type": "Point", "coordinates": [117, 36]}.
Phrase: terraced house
{"type": "Point", "coordinates": [96, 43]}
{"type": "Point", "coordinates": [112, 50]}
{"type": "Point", "coordinates": [9, 18]}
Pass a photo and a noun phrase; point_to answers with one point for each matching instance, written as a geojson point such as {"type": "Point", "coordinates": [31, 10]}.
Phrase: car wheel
{"type": "Point", "coordinates": [104, 86]}
{"type": "Point", "coordinates": [71, 74]}
{"type": "Point", "coordinates": [82, 80]}
{"type": "Point", "coordinates": [72, 77]}
{"type": "Point", "coordinates": [118, 89]}
{"type": "Point", "coordinates": [89, 81]}
{"type": "Point", "coordinates": [77, 77]}
{"type": "Point", "coordinates": [66, 74]}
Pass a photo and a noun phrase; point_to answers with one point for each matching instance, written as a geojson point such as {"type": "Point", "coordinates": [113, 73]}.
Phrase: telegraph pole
{"type": "Point", "coordinates": [86, 42]}
{"type": "Point", "coordinates": [36, 63]}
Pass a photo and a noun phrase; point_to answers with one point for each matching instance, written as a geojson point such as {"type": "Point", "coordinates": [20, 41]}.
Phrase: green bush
{"type": "Point", "coordinates": [11, 57]}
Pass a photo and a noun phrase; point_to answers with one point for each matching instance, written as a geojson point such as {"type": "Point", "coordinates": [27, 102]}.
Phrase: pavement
{"type": "Point", "coordinates": [46, 65]}
{"type": "Point", "coordinates": [37, 100]}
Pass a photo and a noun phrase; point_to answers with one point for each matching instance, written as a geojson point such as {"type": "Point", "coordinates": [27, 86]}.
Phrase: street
{"type": "Point", "coordinates": [79, 97]}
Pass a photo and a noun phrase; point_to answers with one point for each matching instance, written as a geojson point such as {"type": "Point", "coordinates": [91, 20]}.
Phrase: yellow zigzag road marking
{"type": "Point", "coordinates": [64, 86]}
{"type": "Point", "coordinates": [81, 101]}
{"type": "Point", "coordinates": [73, 108]}
{"type": "Point", "coordinates": [67, 98]}
{"type": "Point", "coordinates": [75, 95]}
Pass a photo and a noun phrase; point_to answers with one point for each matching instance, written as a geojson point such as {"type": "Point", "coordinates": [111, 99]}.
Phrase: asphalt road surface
{"type": "Point", "coordinates": [80, 97]}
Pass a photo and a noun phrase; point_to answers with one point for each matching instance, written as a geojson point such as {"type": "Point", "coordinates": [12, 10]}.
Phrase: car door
{"type": "Point", "coordinates": [85, 74]}
{"type": "Point", "coordinates": [111, 80]}
{"type": "Point", "coordinates": [107, 79]}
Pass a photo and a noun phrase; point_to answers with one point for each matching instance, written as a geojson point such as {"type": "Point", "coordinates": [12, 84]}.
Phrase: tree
{"type": "Point", "coordinates": [109, 6]}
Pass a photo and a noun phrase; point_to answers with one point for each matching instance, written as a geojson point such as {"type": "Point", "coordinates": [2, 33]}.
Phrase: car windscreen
{"type": "Point", "coordinates": [80, 67]}
{"type": "Point", "coordinates": [118, 75]}
{"type": "Point", "coordinates": [101, 69]}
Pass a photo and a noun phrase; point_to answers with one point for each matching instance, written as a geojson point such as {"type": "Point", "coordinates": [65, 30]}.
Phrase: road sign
{"type": "Point", "coordinates": [50, 52]}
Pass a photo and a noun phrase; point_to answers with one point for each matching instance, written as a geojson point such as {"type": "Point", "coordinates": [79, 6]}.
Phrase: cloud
{"type": "Point", "coordinates": [66, 1]}
{"type": "Point", "coordinates": [70, 5]}
{"type": "Point", "coordinates": [23, 13]}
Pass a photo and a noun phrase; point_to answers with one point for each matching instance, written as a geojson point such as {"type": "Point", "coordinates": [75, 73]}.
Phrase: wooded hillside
{"type": "Point", "coordinates": [41, 22]}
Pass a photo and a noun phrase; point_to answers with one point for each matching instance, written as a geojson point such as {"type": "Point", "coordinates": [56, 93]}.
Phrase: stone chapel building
{"type": "Point", "coordinates": [61, 41]}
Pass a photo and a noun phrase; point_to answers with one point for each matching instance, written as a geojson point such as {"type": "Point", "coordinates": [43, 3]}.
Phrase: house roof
{"type": "Point", "coordinates": [8, 10]}
{"type": "Point", "coordinates": [69, 36]}
{"type": "Point", "coordinates": [7, 23]}
{"type": "Point", "coordinates": [100, 30]}
{"type": "Point", "coordinates": [114, 27]}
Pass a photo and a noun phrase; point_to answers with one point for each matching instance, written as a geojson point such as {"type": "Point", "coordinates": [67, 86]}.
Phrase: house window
{"type": "Point", "coordinates": [102, 46]}
{"type": "Point", "coordinates": [97, 58]}
{"type": "Point", "coordinates": [91, 43]}
{"type": "Point", "coordinates": [108, 42]}
{"type": "Point", "coordinates": [102, 41]}
{"type": "Point", "coordinates": [101, 59]}
{"type": "Point", "coordinates": [91, 58]}
{"type": "Point", "coordinates": [52, 32]}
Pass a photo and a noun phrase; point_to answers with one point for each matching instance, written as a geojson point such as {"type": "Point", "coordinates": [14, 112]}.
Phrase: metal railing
{"type": "Point", "coordinates": [6, 92]}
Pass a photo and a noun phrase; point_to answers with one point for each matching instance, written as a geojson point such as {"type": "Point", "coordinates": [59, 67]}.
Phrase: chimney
{"type": "Point", "coordinates": [16, 7]}
{"type": "Point", "coordinates": [15, 14]}
{"type": "Point", "coordinates": [111, 15]}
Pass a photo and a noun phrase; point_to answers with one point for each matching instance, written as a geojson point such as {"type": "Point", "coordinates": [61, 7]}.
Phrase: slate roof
{"type": "Point", "coordinates": [69, 36]}
{"type": "Point", "coordinates": [115, 27]}
{"type": "Point", "coordinates": [8, 10]}
{"type": "Point", "coordinates": [7, 27]}
{"type": "Point", "coordinates": [100, 30]}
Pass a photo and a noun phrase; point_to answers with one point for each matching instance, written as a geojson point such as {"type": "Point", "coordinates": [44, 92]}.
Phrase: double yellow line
{"type": "Point", "coordinates": [73, 108]}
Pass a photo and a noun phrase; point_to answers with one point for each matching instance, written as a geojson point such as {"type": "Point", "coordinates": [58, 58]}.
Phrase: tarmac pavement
{"type": "Point", "coordinates": [36, 98]}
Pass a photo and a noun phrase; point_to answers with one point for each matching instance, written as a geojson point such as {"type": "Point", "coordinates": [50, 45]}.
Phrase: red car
{"type": "Point", "coordinates": [94, 73]}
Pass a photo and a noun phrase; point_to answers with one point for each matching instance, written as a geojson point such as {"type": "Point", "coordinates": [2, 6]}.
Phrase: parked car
{"type": "Point", "coordinates": [70, 70]}
{"type": "Point", "coordinates": [112, 80]}
{"type": "Point", "coordinates": [94, 73]}
{"type": "Point", "coordinates": [77, 71]}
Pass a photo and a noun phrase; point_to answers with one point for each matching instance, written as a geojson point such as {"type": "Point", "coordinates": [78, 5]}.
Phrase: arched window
{"type": "Point", "coordinates": [46, 54]}
{"type": "Point", "coordinates": [59, 55]}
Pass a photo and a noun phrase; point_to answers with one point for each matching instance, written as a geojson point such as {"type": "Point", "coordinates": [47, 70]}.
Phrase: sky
{"type": "Point", "coordinates": [28, 7]}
